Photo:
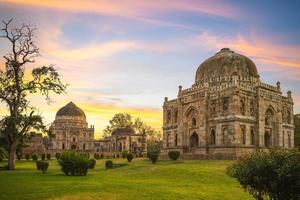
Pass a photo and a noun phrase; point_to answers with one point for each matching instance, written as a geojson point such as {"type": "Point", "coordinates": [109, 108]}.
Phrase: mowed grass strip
{"type": "Point", "coordinates": [140, 179]}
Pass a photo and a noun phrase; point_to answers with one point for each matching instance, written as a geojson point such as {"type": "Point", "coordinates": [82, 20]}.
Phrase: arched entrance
{"type": "Point", "coordinates": [194, 140]}
{"type": "Point", "coordinates": [267, 138]}
{"type": "Point", "coordinates": [73, 147]}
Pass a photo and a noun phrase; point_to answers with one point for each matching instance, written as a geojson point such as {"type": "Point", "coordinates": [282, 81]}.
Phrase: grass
{"type": "Point", "coordinates": [139, 180]}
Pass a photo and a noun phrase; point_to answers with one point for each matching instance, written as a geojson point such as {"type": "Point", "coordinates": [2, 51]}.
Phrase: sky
{"type": "Point", "coordinates": [126, 56]}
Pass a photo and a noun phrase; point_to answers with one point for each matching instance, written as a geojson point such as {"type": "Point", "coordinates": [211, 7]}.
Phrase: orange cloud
{"type": "Point", "coordinates": [262, 49]}
{"type": "Point", "coordinates": [137, 10]}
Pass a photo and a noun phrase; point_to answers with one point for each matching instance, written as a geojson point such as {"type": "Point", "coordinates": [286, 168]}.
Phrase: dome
{"type": "Point", "coordinates": [71, 110]}
{"type": "Point", "coordinates": [226, 63]}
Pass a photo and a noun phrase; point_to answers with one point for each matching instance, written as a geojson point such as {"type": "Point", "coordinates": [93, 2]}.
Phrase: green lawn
{"type": "Point", "coordinates": [137, 180]}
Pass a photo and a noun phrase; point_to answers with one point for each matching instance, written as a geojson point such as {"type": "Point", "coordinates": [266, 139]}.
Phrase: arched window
{"type": "Point", "coordinates": [288, 117]}
{"type": "Point", "coordinates": [194, 140]}
{"type": "Point", "coordinates": [175, 116]}
{"type": "Point", "coordinates": [224, 135]}
{"type": "Point", "coordinates": [225, 103]}
{"type": "Point", "coordinates": [83, 146]}
{"type": "Point", "coordinates": [242, 108]}
{"type": "Point", "coordinates": [74, 139]}
{"type": "Point", "coordinates": [283, 141]}
{"type": "Point", "coordinates": [168, 116]}
{"type": "Point", "coordinates": [267, 138]}
{"type": "Point", "coordinates": [194, 122]}
{"type": "Point", "coordinates": [252, 137]}
{"type": "Point", "coordinates": [167, 140]}
{"type": "Point", "coordinates": [175, 139]}
{"type": "Point", "coordinates": [269, 117]}
{"type": "Point", "coordinates": [252, 110]}
{"type": "Point", "coordinates": [213, 137]}
{"type": "Point", "coordinates": [243, 136]}
{"type": "Point", "coordinates": [63, 145]}
{"type": "Point", "coordinates": [289, 140]}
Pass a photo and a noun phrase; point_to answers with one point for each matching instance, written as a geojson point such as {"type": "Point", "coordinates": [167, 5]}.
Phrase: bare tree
{"type": "Point", "coordinates": [14, 89]}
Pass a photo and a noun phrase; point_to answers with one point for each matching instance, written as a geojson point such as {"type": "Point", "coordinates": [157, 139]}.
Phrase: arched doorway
{"type": "Point", "coordinates": [73, 147]}
{"type": "Point", "coordinates": [213, 137]}
{"type": "Point", "coordinates": [194, 140]}
{"type": "Point", "coordinates": [267, 138]}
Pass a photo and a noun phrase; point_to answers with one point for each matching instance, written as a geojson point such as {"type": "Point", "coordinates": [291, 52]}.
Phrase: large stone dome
{"type": "Point", "coordinates": [70, 111]}
{"type": "Point", "coordinates": [226, 63]}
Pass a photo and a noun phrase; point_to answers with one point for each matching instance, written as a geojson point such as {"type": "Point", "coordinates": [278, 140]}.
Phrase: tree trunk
{"type": "Point", "coordinates": [12, 155]}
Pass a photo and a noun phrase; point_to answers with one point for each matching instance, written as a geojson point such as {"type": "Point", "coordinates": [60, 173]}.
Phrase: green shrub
{"type": "Point", "coordinates": [42, 166]}
{"type": "Point", "coordinates": [269, 175]}
{"type": "Point", "coordinates": [74, 164]}
{"type": "Point", "coordinates": [173, 155]}
{"type": "Point", "coordinates": [109, 164]}
{"type": "Point", "coordinates": [43, 156]}
{"type": "Point", "coordinates": [92, 163]}
{"type": "Point", "coordinates": [3, 153]}
{"type": "Point", "coordinates": [96, 156]}
{"type": "Point", "coordinates": [27, 156]}
{"type": "Point", "coordinates": [48, 156]}
{"type": "Point", "coordinates": [153, 156]}
{"type": "Point", "coordinates": [124, 154]}
{"type": "Point", "coordinates": [57, 156]}
{"type": "Point", "coordinates": [34, 157]}
{"type": "Point", "coordinates": [129, 157]}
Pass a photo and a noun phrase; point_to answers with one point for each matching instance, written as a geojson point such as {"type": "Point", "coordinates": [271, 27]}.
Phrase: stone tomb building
{"type": "Point", "coordinates": [122, 139]}
{"type": "Point", "coordinates": [227, 112]}
{"type": "Point", "coordinates": [70, 130]}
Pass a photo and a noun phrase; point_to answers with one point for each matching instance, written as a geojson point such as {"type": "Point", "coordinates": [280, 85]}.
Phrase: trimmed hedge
{"type": "Point", "coordinates": [57, 156]}
{"type": "Point", "coordinates": [27, 156]}
{"type": "Point", "coordinates": [153, 156]}
{"type": "Point", "coordinates": [92, 163]}
{"type": "Point", "coordinates": [42, 166]}
{"type": "Point", "coordinates": [109, 164]}
{"type": "Point", "coordinates": [34, 157]}
{"type": "Point", "coordinates": [129, 157]}
{"type": "Point", "coordinates": [74, 164]}
{"type": "Point", "coordinates": [173, 155]}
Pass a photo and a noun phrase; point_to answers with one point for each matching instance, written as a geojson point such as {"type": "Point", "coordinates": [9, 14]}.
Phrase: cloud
{"type": "Point", "coordinates": [265, 50]}
{"type": "Point", "coordinates": [146, 11]}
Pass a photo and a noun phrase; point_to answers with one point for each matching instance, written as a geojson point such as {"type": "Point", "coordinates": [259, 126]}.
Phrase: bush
{"type": "Point", "coordinates": [27, 156]}
{"type": "Point", "coordinates": [34, 157]}
{"type": "Point", "coordinates": [129, 157]}
{"type": "Point", "coordinates": [124, 154]}
{"type": "Point", "coordinates": [74, 164]}
{"type": "Point", "coordinates": [3, 153]}
{"type": "Point", "coordinates": [57, 156]}
{"type": "Point", "coordinates": [109, 164]}
{"type": "Point", "coordinates": [173, 155]}
{"type": "Point", "coordinates": [92, 163]}
{"type": "Point", "coordinates": [96, 156]}
{"type": "Point", "coordinates": [42, 166]}
{"type": "Point", "coordinates": [273, 174]}
{"type": "Point", "coordinates": [153, 156]}
{"type": "Point", "coordinates": [48, 156]}
{"type": "Point", "coordinates": [43, 156]}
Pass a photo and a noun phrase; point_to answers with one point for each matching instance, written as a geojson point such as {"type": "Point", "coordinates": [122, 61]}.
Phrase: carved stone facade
{"type": "Point", "coordinates": [122, 139]}
{"type": "Point", "coordinates": [70, 130]}
{"type": "Point", "coordinates": [228, 112]}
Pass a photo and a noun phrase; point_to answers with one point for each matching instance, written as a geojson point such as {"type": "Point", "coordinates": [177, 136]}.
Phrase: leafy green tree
{"type": "Point", "coordinates": [269, 175]}
{"type": "Point", "coordinates": [15, 89]}
{"type": "Point", "coordinates": [125, 120]}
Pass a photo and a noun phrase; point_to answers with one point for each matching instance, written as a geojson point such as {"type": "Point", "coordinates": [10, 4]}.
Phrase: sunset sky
{"type": "Point", "coordinates": [126, 56]}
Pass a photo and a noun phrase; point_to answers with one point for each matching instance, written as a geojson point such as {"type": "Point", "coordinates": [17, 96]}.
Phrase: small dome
{"type": "Point", "coordinates": [226, 63]}
{"type": "Point", "coordinates": [71, 110]}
